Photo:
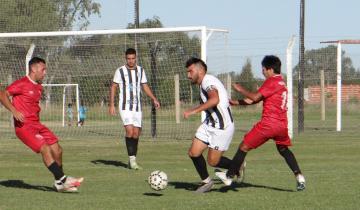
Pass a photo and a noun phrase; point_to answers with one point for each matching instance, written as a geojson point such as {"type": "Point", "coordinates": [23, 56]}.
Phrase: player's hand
{"type": "Point", "coordinates": [112, 110]}
{"type": "Point", "coordinates": [238, 87]}
{"type": "Point", "coordinates": [156, 103]}
{"type": "Point", "coordinates": [233, 102]}
{"type": "Point", "coordinates": [187, 114]}
{"type": "Point", "coordinates": [18, 116]}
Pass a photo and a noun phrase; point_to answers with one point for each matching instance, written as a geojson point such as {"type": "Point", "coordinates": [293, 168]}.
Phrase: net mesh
{"type": "Point", "coordinates": [90, 61]}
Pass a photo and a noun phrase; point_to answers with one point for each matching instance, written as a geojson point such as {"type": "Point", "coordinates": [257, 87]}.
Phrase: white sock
{"type": "Point", "coordinates": [300, 178]}
{"type": "Point", "coordinates": [132, 158]}
{"type": "Point", "coordinates": [207, 180]}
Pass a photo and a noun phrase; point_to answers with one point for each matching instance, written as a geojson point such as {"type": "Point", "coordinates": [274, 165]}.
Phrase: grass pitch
{"type": "Point", "coordinates": [328, 159]}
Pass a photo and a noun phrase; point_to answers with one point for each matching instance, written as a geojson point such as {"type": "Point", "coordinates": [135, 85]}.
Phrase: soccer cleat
{"type": "Point", "coordinates": [205, 187]}
{"type": "Point", "coordinates": [225, 179]}
{"type": "Point", "coordinates": [134, 165]}
{"type": "Point", "coordinates": [300, 182]}
{"type": "Point", "coordinates": [70, 185]}
{"type": "Point", "coordinates": [62, 188]}
{"type": "Point", "coordinates": [240, 176]}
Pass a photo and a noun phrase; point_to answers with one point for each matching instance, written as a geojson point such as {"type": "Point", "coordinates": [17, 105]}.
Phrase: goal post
{"type": "Point", "coordinates": [87, 60]}
{"type": "Point", "coordinates": [77, 101]}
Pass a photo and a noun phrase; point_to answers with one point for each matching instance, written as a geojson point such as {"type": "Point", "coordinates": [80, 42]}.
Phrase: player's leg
{"type": "Point", "coordinates": [51, 152]}
{"type": "Point", "coordinates": [253, 139]}
{"type": "Point", "coordinates": [132, 147]}
{"type": "Point", "coordinates": [291, 161]}
{"type": "Point", "coordinates": [195, 153]}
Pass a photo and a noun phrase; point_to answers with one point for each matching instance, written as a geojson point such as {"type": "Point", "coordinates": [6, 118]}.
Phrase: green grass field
{"type": "Point", "coordinates": [328, 159]}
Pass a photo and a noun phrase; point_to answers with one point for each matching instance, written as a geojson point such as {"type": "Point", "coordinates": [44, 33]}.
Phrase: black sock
{"type": "Point", "coordinates": [224, 163]}
{"type": "Point", "coordinates": [136, 142]}
{"type": "Point", "coordinates": [200, 165]}
{"type": "Point", "coordinates": [56, 170]}
{"type": "Point", "coordinates": [130, 146]}
{"type": "Point", "coordinates": [236, 163]}
{"type": "Point", "coordinates": [290, 159]}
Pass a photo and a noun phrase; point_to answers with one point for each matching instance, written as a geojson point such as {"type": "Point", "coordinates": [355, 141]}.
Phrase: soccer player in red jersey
{"type": "Point", "coordinates": [273, 124]}
{"type": "Point", "coordinates": [26, 94]}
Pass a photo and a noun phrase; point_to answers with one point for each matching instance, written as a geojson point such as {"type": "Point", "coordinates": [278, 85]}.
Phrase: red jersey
{"type": "Point", "coordinates": [274, 92]}
{"type": "Point", "coordinates": [26, 96]}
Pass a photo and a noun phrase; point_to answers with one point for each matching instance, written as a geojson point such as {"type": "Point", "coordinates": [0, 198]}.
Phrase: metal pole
{"type": "Point", "coordinates": [301, 69]}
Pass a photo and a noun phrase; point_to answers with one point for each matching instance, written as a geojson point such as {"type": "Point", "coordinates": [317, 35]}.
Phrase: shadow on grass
{"type": "Point", "coordinates": [235, 186]}
{"type": "Point", "coordinates": [153, 194]}
{"type": "Point", "coordinates": [223, 189]}
{"type": "Point", "coordinates": [22, 185]}
{"type": "Point", "coordinates": [110, 162]}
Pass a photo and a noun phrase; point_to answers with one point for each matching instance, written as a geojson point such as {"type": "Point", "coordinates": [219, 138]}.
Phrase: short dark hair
{"type": "Point", "coordinates": [272, 62]}
{"type": "Point", "coordinates": [130, 51]}
{"type": "Point", "coordinates": [196, 61]}
{"type": "Point", "coordinates": [36, 60]}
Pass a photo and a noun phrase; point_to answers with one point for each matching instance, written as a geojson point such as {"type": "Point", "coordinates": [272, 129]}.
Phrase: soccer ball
{"type": "Point", "coordinates": [158, 180]}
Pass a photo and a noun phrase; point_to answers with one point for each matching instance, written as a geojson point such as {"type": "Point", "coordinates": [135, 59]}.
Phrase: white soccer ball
{"type": "Point", "coordinates": [158, 180]}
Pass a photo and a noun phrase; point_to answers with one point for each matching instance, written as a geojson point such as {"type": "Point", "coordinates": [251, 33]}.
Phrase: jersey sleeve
{"type": "Point", "coordinates": [15, 88]}
{"type": "Point", "coordinates": [143, 76]}
{"type": "Point", "coordinates": [117, 77]}
{"type": "Point", "coordinates": [208, 85]}
{"type": "Point", "coordinates": [269, 88]}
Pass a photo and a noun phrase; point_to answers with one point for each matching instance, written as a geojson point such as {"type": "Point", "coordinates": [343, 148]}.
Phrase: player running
{"type": "Point", "coordinates": [130, 78]}
{"type": "Point", "coordinates": [273, 124]}
{"type": "Point", "coordinates": [26, 94]}
{"type": "Point", "coordinates": [217, 129]}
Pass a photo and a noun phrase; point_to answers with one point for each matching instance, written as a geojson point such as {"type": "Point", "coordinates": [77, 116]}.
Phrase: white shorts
{"type": "Point", "coordinates": [215, 138]}
{"type": "Point", "coordinates": [131, 118]}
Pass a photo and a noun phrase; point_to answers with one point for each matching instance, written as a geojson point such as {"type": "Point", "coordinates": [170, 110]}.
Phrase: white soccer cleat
{"type": "Point", "coordinates": [70, 185]}
{"type": "Point", "coordinates": [134, 165]}
{"type": "Point", "coordinates": [240, 177]}
{"type": "Point", "coordinates": [222, 176]}
{"type": "Point", "coordinates": [300, 182]}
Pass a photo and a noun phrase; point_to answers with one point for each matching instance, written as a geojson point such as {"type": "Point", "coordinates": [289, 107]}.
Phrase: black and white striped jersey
{"type": "Point", "coordinates": [219, 116]}
{"type": "Point", "coordinates": [130, 81]}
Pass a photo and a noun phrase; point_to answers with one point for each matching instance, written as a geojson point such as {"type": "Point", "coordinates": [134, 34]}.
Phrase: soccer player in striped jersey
{"type": "Point", "coordinates": [273, 123]}
{"type": "Point", "coordinates": [217, 129]}
{"type": "Point", "coordinates": [26, 94]}
{"type": "Point", "coordinates": [131, 79]}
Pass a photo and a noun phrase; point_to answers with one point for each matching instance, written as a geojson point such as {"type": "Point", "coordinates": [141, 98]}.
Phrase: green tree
{"type": "Point", "coordinates": [325, 59]}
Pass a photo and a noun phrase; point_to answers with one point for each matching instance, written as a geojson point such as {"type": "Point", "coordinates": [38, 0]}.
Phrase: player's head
{"type": "Point", "coordinates": [271, 63]}
{"type": "Point", "coordinates": [37, 68]}
{"type": "Point", "coordinates": [196, 69]}
{"type": "Point", "coordinates": [130, 56]}
{"type": "Point", "coordinates": [70, 105]}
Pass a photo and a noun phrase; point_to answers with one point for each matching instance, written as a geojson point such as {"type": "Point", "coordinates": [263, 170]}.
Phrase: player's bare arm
{"type": "Point", "coordinates": [149, 93]}
{"type": "Point", "coordinates": [243, 102]}
{"type": "Point", "coordinates": [111, 100]}
{"type": "Point", "coordinates": [255, 97]}
{"type": "Point", "coordinates": [5, 100]}
{"type": "Point", "coordinates": [211, 102]}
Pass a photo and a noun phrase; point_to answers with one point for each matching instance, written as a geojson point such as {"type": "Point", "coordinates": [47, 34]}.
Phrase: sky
{"type": "Point", "coordinates": [256, 28]}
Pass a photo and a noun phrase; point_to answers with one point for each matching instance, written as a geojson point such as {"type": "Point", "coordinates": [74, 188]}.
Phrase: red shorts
{"type": "Point", "coordinates": [263, 131]}
{"type": "Point", "coordinates": [35, 135]}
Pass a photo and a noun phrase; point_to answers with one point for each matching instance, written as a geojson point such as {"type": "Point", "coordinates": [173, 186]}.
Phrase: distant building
{"type": "Point", "coordinates": [349, 93]}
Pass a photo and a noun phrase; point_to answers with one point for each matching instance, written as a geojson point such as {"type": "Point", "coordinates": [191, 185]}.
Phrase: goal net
{"type": "Point", "coordinates": [81, 66]}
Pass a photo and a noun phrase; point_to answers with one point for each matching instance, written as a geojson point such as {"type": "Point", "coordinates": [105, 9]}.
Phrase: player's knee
{"type": "Point", "coordinates": [45, 149]}
{"type": "Point", "coordinates": [212, 161]}
{"type": "Point", "coordinates": [193, 153]}
{"type": "Point", "coordinates": [243, 147]}
{"type": "Point", "coordinates": [282, 149]}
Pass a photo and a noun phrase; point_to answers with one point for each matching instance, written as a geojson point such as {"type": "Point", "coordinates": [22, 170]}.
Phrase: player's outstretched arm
{"type": "Point", "coordinates": [5, 100]}
{"type": "Point", "coordinates": [111, 99]}
{"type": "Point", "coordinates": [254, 97]}
{"type": "Point", "coordinates": [149, 93]}
{"type": "Point", "coordinates": [212, 101]}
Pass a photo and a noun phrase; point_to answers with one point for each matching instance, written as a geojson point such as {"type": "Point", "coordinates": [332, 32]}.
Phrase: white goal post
{"type": "Point", "coordinates": [64, 99]}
